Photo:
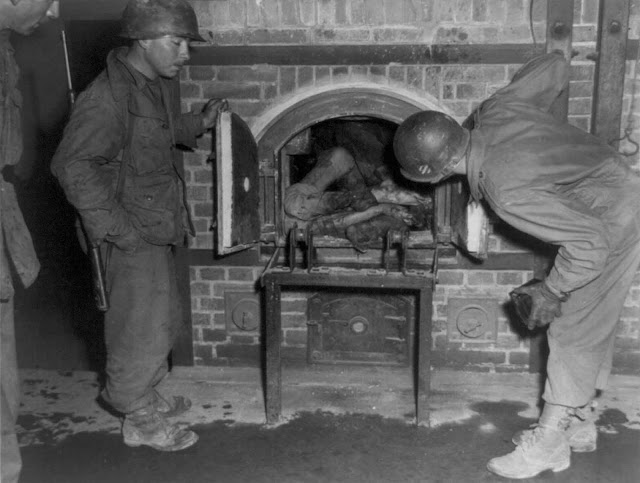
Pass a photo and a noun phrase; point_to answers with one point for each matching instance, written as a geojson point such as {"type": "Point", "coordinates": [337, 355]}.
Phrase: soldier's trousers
{"type": "Point", "coordinates": [581, 341]}
{"type": "Point", "coordinates": [141, 324]}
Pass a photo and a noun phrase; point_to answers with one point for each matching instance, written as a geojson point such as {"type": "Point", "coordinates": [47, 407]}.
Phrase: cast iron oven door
{"type": "Point", "coordinates": [346, 327]}
{"type": "Point", "coordinates": [238, 186]}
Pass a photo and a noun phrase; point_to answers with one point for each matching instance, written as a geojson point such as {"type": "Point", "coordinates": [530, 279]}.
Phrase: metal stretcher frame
{"type": "Point", "coordinates": [418, 282]}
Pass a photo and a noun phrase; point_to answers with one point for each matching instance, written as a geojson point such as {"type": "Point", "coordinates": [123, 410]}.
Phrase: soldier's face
{"type": "Point", "coordinates": [167, 55]}
{"type": "Point", "coordinates": [29, 14]}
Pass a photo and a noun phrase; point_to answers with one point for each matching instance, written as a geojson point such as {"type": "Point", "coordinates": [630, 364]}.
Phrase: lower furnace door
{"type": "Point", "coordinates": [359, 328]}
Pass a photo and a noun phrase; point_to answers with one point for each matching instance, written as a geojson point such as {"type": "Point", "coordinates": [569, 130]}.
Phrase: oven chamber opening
{"type": "Point", "coordinates": [341, 182]}
{"type": "Point", "coordinates": [310, 141]}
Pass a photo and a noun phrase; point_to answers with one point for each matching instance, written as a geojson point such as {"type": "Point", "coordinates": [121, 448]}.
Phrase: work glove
{"type": "Point", "coordinates": [536, 304]}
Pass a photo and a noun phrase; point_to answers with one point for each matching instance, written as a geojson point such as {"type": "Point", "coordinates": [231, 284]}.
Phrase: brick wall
{"type": "Point", "coordinates": [255, 91]}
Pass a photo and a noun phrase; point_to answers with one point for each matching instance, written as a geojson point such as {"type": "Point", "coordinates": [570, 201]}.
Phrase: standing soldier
{"type": "Point", "coordinates": [565, 187]}
{"type": "Point", "coordinates": [16, 248]}
{"type": "Point", "coordinates": [116, 166]}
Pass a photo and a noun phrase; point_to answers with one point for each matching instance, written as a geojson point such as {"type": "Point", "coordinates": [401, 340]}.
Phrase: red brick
{"type": "Point", "coordinates": [579, 72]}
{"type": "Point", "coordinates": [414, 76]}
{"type": "Point", "coordinates": [246, 109]}
{"type": "Point", "coordinates": [243, 339]}
{"type": "Point", "coordinates": [281, 36]}
{"type": "Point", "coordinates": [204, 352]}
{"type": "Point", "coordinates": [589, 11]}
{"type": "Point", "coordinates": [444, 11]}
{"type": "Point", "coordinates": [190, 90]}
{"type": "Point", "coordinates": [240, 352]}
{"type": "Point", "coordinates": [203, 176]}
{"type": "Point", "coordinates": [480, 10]}
{"type": "Point", "coordinates": [450, 277]}
{"type": "Point", "coordinates": [263, 14]}
{"type": "Point", "coordinates": [397, 73]}
{"type": "Point", "coordinates": [237, 13]}
{"type": "Point", "coordinates": [209, 303]}
{"type": "Point", "coordinates": [581, 89]}
{"type": "Point", "coordinates": [475, 357]}
{"type": "Point", "coordinates": [259, 73]}
{"type": "Point", "coordinates": [201, 318]}
{"type": "Point", "coordinates": [305, 76]}
{"type": "Point", "coordinates": [198, 193]}
{"type": "Point", "coordinates": [307, 12]}
{"type": "Point", "coordinates": [293, 305]}
{"type": "Point", "coordinates": [290, 12]}
{"type": "Point", "coordinates": [214, 335]}
{"type": "Point", "coordinates": [293, 320]}
{"type": "Point", "coordinates": [232, 90]}
{"type": "Point", "coordinates": [397, 34]}
{"type": "Point", "coordinates": [241, 274]}
{"type": "Point", "coordinates": [220, 14]}
{"type": "Point", "coordinates": [213, 273]}
{"type": "Point", "coordinates": [227, 37]}
{"type": "Point", "coordinates": [326, 12]}
{"type": "Point", "coordinates": [287, 80]}
{"type": "Point", "coordinates": [202, 72]}
{"type": "Point", "coordinates": [199, 289]}
{"type": "Point", "coordinates": [481, 278]}
{"type": "Point", "coordinates": [339, 71]}
{"type": "Point", "coordinates": [519, 358]}
{"type": "Point", "coordinates": [626, 363]}
{"type": "Point", "coordinates": [295, 337]}
{"type": "Point", "coordinates": [581, 122]}
{"type": "Point", "coordinates": [539, 13]}
{"type": "Point", "coordinates": [509, 278]}
{"type": "Point", "coordinates": [380, 70]}
{"type": "Point", "coordinates": [580, 106]}
{"type": "Point", "coordinates": [203, 209]}
{"type": "Point", "coordinates": [471, 91]}
{"type": "Point", "coordinates": [373, 12]}
{"type": "Point", "coordinates": [358, 14]}
{"type": "Point", "coordinates": [427, 10]}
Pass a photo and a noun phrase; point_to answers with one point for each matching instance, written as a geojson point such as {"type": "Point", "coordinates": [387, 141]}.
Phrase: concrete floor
{"type": "Point", "coordinates": [333, 411]}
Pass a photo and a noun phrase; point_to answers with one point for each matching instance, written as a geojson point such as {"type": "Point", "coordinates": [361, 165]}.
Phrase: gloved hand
{"type": "Point", "coordinates": [536, 304]}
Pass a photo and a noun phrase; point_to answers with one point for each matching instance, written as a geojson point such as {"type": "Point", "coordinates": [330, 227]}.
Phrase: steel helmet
{"type": "Point", "coordinates": [428, 145]}
{"type": "Point", "coordinates": [152, 19]}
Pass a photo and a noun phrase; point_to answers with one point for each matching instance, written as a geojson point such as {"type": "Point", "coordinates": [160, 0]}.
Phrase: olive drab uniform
{"type": "Point", "coordinates": [17, 254]}
{"type": "Point", "coordinates": [570, 189]}
{"type": "Point", "coordinates": [125, 118]}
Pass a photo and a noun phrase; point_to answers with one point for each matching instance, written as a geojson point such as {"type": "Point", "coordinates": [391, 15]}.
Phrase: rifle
{"type": "Point", "coordinates": [95, 256]}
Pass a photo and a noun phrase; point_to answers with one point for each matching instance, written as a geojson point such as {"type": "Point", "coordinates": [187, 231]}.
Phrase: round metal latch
{"type": "Point", "coordinates": [472, 321]}
{"type": "Point", "coordinates": [359, 325]}
{"type": "Point", "coordinates": [246, 315]}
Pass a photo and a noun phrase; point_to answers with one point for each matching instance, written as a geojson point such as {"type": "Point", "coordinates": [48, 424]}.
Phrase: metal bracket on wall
{"type": "Point", "coordinates": [608, 91]}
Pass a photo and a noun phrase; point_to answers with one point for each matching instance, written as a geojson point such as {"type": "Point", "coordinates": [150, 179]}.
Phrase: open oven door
{"type": "Point", "coordinates": [469, 223]}
{"type": "Point", "coordinates": [237, 185]}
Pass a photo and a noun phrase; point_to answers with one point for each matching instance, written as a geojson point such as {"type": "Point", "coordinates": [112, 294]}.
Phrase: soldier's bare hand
{"type": "Point", "coordinates": [210, 111]}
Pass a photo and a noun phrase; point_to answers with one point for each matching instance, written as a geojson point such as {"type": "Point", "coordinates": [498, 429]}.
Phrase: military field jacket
{"type": "Point", "coordinates": [119, 119]}
{"type": "Point", "coordinates": [16, 247]}
{"type": "Point", "coordinates": [552, 180]}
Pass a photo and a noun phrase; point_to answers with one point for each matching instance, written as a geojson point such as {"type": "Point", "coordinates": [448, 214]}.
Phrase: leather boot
{"type": "Point", "coordinates": [546, 448]}
{"type": "Point", "coordinates": [581, 434]}
{"type": "Point", "coordinates": [170, 408]}
{"type": "Point", "coordinates": [149, 427]}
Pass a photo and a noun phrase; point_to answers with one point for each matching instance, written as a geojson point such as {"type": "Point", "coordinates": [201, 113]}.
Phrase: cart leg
{"type": "Point", "coordinates": [424, 356]}
{"type": "Point", "coordinates": [273, 369]}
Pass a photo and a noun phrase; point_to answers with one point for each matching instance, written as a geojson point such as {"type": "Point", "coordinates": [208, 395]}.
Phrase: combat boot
{"type": "Point", "coordinates": [581, 434]}
{"type": "Point", "coordinates": [170, 408]}
{"type": "Point", "coordinates": [545, 448]}
{"type": "Point", "coordinates": [149, 427]}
